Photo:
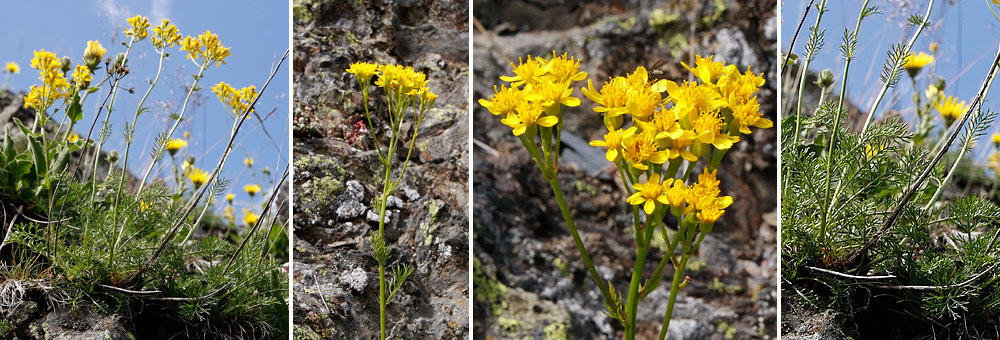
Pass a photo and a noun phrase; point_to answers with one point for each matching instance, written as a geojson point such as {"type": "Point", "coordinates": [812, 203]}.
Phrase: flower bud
{"type": "Point", "coordinates": [67, 64]}
{"type": "Point", "coordinates": [93, 54]}
{"type": "Point", "coordinates": [119, 60]}
{"type": "Point", "coordinates": [113, 156]}
{"type": "Point", "coordinates": [825, 79]}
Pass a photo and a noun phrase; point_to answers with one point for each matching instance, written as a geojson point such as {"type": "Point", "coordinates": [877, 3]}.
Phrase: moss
{"type": "Point", "coordinates": [325, 189]}
{"type": "Point", "coordinates": [351, 38]}
{"type": "Point", "coordinates": [423, 145]}
{"type": "Point", "coordinates": [696, 265]}
{"type": "Point", "coordinates": [300, 12]}
{"type": "Point", "coordinates": [427, 229]}
{"type": "Point", "coordinates": [5, 329]}
{"type": "Point", "coordinates": [678, 44]}
{"type": "Point", "coordinates": [305, 333]}
{"type": "Point", "coordinates": [555, 331]}
{"type": "Point", "coordinates": [488, 290]}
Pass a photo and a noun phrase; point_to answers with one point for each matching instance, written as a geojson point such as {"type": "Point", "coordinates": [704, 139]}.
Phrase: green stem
{"type": "Point", "coordinates": [633, 287]}
{"type": "Point", "coordinates": [180, 118]}
{"type": "Point", "coordinates": [107, 117]}
{"type": "Point", "coordinates": [564, 208]}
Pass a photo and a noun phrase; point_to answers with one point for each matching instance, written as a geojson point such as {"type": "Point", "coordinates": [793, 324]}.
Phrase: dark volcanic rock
{"type": "Point", "coordinates": [338, 175]}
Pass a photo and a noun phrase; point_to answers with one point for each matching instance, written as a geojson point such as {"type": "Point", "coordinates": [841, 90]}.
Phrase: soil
{"type": "Point", "coordinates": [337, 173]}
{"type": "Point", "coordinates": [529, 281]}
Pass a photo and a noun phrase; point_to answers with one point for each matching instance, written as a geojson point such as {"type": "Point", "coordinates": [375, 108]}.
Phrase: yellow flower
{"type": "Point", "coordinates": [871, 152]}
{"type": "Point", "coordinates": [252, 189]}
{"type": "Point", "coordinates": [748, 114]}
{"type": "Point", "coordinates": [198, 177]}
{"type": "Point", "coordinates": [166, 34]}
{"type": "Point", "coordinates": [81, 75]}
{"type": "Point", "coordinates": [214, 50]}
{"type": "Point", "coordinates": [650, 194]}
{"type": "Point", "coordinates": [679, 147]}
{"type": "Point", "coordinates": [54, 84]}
{"type": "Point", "coordinates": [12, 67]}
{"type": "Point", "coordinates": [611, 99]}
{"type": "Point", "coordinates": [73, 137]}
{"type": "Point", "coordinates": [526, 71]}
{"type": "Point", "coordinates": [706, 187]}
{"type": "Point", "coordinates": [707, 126]}
{"type": "Point", "coordinates": [363, 71]}
{"type": "Point", "coordinates": [933, 47]}
{"type": "Point", "coordinates": [996, 140]}
{"type": "Point", "coordinates": [93, 54]}
{"type": "Point", "coordinates": [663, 125]}
{"type": "Point", "coordinates": [249, 218]}
{"type": "Point", "coordinates": [139, 27]}
{"type": "Point", "coordinates": [950, 108]}
{"type": "Point", "coordinates": [187, 134]}
{"type": "Point", "coordinates": [707, 70]}
{"type": "Point", "coordinates": [932, 92]}
{"type": "Point", "coordinates": [229, 213]}
{"type": "Point", "coordinates": [638, 148]}
{"type": "Point", "coordinates": [174, 144]}
{"type": "Point", "coordinates": [248, 161]}
{"type": "Point", "coordinates": [612, 142]}
{"type": "Point", "coordinates": [915, 62]}
{"type": "Point", "coordinates": [230, 197]}
{"type": "Point", "coordinates": [143, 205]}
{"type": "Point", "coordinates": [561, 69]}
{"type": "Point", "coordinates": [192, 46]}
{"type": "Point", "coordinates": [503, 101]}
{"type": "Point", "coordinates": [712, 209]}
{"type": "Point", "coordinates": [549, 94]}
{"type": "Point", "coordinates": [237, 100]}
{"type": "Point", "coordinates": [691, 99]}
{"type": "Point", "coordinates": [526, 117]}
{"type": "Point", "coordinates": [676, 194]}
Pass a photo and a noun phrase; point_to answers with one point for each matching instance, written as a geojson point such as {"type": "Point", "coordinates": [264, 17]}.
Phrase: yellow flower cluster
{"type": "Point", "coordinates": [54, 85]}
{"type": "Point", "coordinates": [396, 80]}
{"type": "Point", "coordinates": [229, 213]}
{"type": "Point", "coordinates": [714, 111]}
{"type": "Point", "coordinates": [702, 197]}
{"type": "Point", "coordinates": [538, 90]}
{"type": "Point", "coordinates": [252, 189]}
{"type": "Point", "coordinates": [93, 54]}
{"type": "Point", "coordinates": [249, 218]}
{"type": "Point", "coordinates": [166, 35]}
{"type": "Point", "coordinates": [138, 27]}
{"type": "Point", "coordinates": [237, 100]}
{"type": "Point", "coordinates": [915, 62]}
{"type": "Point", "coordinates": [198, 177]}
{"type": "Point", "coordinates": [207, 46]}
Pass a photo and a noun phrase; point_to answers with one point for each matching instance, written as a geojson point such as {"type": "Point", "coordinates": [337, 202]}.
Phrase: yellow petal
{"type": "Point", "coordinates": [548, 121]}
{"type": "Point", "coordinates": [649, 207]}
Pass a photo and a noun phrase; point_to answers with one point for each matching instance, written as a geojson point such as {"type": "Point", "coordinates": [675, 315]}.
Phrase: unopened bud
{"type": "Point", "coordinates": [825, 79]}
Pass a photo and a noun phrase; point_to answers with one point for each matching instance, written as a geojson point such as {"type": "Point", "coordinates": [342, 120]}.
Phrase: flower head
{"type": "Point", "coordinates": [526, 117]}
{"type": "Point", "coordinates": [252, 189]}
{"type": "Point", "coordinates": [230, 197]}
{"type": "Point", "coordinates": [708, 70]}
{"type": "Point", "coordinates": [138, 29]}
{"type": "Point", "coordinates": [996, 139]}
{"type": "Point", "coordinates": [915, 62]}
{"type": "Point", "coordinates": [81, 75]}
{"type": "Point", "coordinates": [612, 143]}
{"type": "Point", "coordinates": [950, 108]}
{"type": "Point", "coordinates": [650, 194]}
{"type": "Point", "coordinates": [93, 53]}
{"type": "Point", "coordinates": [248, 161]}
{"type": "Point", "coordinates": [249, 218]}
{"type": "Point", "coordinates": [639, 148]}
{"type": "Point", "coordinates": [12, 67]}
{"type": "Point", "coordinates": [166, 35]}
{"type": "Point", "coordinates": [611, 99]}
{"type": "Point", "coordinates": [526, 71]}
{"type": "Point", "coordinates": [198, 177]}
{"type": "Point", "coordinates": [563, 69]}
{"type": "Point", "coordinates": [503, 101]}
{"type": "Point", "coordinates": [54, 85]}
{"type": "Point", "coordinates": [707, 126]}
{"type": "Point", "coordinates": [73, 137]}
{"type": "Point", "coordinates": [174, 144]}
{"type": "Point", "coordinates": [237, 100]}
{"type": "Point", "coordinates": [363, 71]}
{"type": "Point", "coordinates": [229, 213]}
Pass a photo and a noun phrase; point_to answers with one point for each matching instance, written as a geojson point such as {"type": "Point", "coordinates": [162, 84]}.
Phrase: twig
{"type": "Point", "coordinates": [493, 152]}
{"type": "Point", "coordinates": [945, 287]}
{"type": "Point", "coordinates": [849, 276]}
{"type": "Point", "coordinates": [796, 35]}
{"type": "Point", "coordinates": [930, 167]}
{"type": "Point", "coordinates": [127, 291]}
{"type": "Point", "coordinates": [10, 227]}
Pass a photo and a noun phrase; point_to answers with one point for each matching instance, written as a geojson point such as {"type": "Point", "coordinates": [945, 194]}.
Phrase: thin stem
{"type": "Point", "coordinates": [803, 70]}
{"type": "Point", "coordinates": [888, 83]}
{"type": "Point", "coordinates": [836, 124]}
{"type": "Point", "coordinates": [180, 118]}
{"type": "Point", "coordinates": [114, 94]}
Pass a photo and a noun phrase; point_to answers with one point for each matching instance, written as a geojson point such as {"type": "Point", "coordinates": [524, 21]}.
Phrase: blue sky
{"type": "Point", "coordinates": [966, 32]}
{"type": "Point", "coordinates": [257, 35]}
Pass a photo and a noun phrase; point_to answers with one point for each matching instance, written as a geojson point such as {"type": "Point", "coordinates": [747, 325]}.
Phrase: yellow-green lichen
{"type": "Point", "coordinates": [555, 331]}
{"type": "Point", "coordinates": [582, 186]}
{"type": "Point", "coordinates": [508, 325]}
{"type": "Point", "coordinates": [720, 9]}
{"type": "Point", "coordinates": [728, 331]}
{"type": "Point", "coordinates": [563, 267]}
{"type": "Point", "coordinates": [428, 228]}
{"type": "Point", "coordinates": [488, 290]}
{"type": "Point", "coordinates": [721, 287]}
{"type": "Point", "coordinates": [659, 18]}
{"type": "Point", "coordinates": [627, 24]}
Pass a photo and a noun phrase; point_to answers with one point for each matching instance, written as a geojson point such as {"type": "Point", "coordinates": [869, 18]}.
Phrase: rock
{"type": "Point", "coordinates": [84, 324]}
{"type": "Point", "coordinates": [22, 313]}
{"type": "Point", "coordinates": [357, 279]}
{"type": "Point", "coordinates": [393, 202]}
{"type": "Point", "coordinates": [410, 194]}
{"type": "Point", "coordinates": [372, 216]}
